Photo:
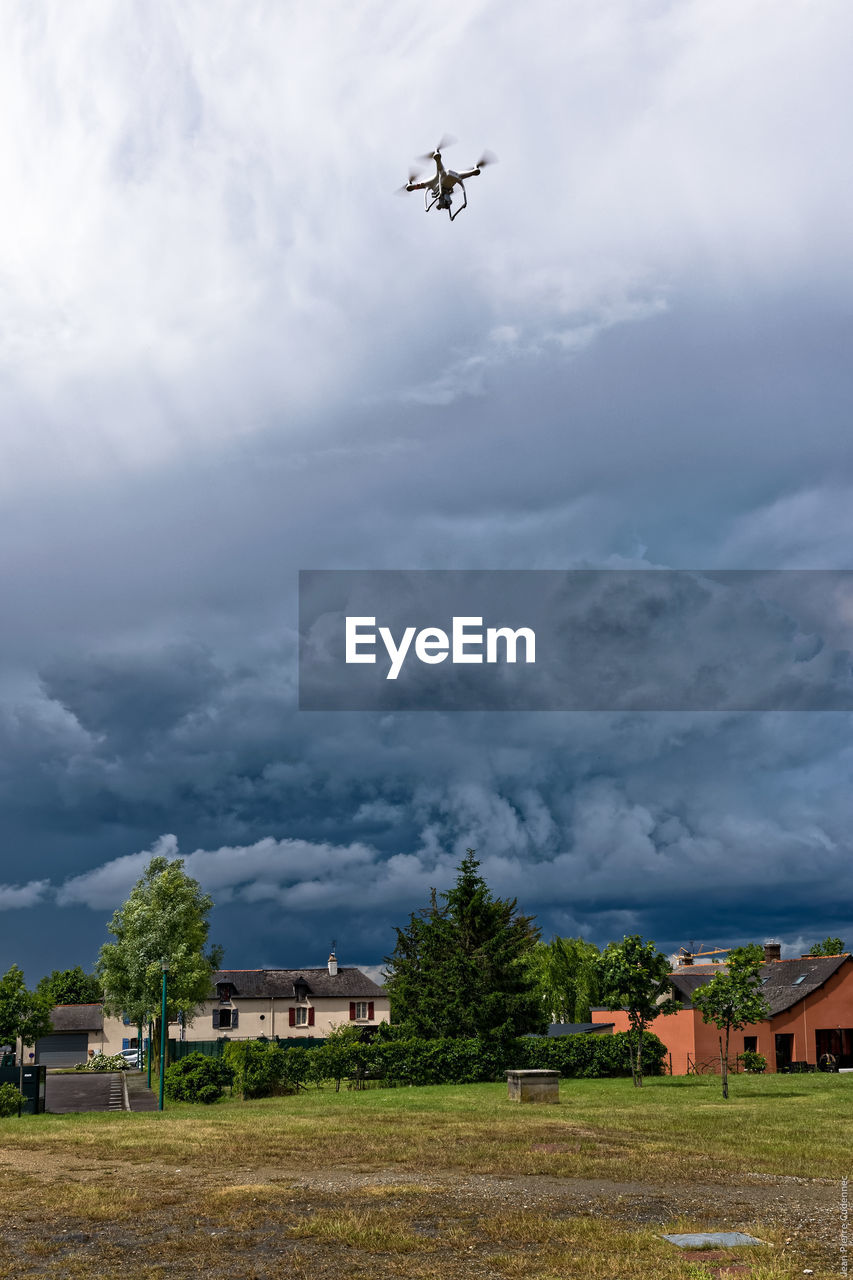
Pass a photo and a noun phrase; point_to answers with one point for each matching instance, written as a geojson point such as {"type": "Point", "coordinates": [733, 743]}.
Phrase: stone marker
{"type": "Point", "coordinates": [533, 1086]}
{"type": "Point", "coordinates": [708, 1239]}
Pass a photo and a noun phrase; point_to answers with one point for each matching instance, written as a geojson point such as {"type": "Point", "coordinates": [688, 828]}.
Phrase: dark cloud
{"type": "Point", "coordinates": [229, 355]}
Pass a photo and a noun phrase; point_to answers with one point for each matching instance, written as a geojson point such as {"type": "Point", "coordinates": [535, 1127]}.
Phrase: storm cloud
{"type": "Point", "coordinates": [229, 354]}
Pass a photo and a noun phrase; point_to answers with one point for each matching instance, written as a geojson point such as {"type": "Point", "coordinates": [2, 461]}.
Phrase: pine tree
{"type": "Point", "coordinates": [460, 967]}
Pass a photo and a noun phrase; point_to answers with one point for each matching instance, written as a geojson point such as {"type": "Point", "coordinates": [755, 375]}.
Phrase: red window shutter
{"type": "Point", "coordinates": [370, 1011]}
{"type": "Point", "coordinates": [352, 1011]}
{"type": "Point", "coordinates": [291, 1014]}
{"type": "Point", "coordinates": [311, 1016]}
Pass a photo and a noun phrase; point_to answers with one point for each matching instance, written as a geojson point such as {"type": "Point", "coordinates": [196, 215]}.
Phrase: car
{"type": "Point", "coordinates": [131, 1057]}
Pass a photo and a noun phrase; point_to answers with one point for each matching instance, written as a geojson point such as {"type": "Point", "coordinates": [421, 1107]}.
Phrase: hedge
{"type": "Point", "coordinates": [261, 1068]}
{"type": "Point", "coordinates": [451, 1061]}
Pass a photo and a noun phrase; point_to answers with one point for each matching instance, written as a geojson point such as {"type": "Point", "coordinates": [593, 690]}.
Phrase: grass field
{"type": "Point", "coordinates": [435, 1182]}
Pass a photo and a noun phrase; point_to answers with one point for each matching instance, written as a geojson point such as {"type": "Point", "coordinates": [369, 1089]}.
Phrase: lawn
{"type": "Point", "coordinates": [434, 1182]}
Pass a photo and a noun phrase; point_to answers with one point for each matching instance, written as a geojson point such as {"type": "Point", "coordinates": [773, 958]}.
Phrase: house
{"type": "Point", "coordinates": [74, 1029]}
{"type": "Point", "coordinates": [244, 1004]}
{"type": "Point", "coordinates": [289, 1003]}
{"type": "Point", "coordinates": [811, 1014]}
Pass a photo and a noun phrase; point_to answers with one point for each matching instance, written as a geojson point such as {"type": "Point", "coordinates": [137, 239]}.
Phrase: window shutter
{"type": "Point", "coordinates": [291, 1014]}
{"type": "Point", "coordinates": [370, 1011]}
{"type": "Point", "coordinates": [234, 1016]}
{"type": "Point", "coordinates": [216, 1019]}
{"type": "Point", "coordinates": [125, 1044]}
{"type": "Point", "coordinates": [311, 1016]}
{"type": "Point", "coordinates": [352, 1011]}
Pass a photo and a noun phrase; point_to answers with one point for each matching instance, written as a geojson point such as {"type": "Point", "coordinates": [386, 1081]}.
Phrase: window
{"type": "Point", "coordinates": [301, 1015]}
{"type": "Point", "coordinates": [224, 989]}
{"type": "Point", "coordinates": [225, 1017]}
{"type": "Point", "coordinates": [750, 1044]}
{"type": "Point", "coordinates": [361, 1010]}
{"type": "Point", "coordinates": [797, 981]}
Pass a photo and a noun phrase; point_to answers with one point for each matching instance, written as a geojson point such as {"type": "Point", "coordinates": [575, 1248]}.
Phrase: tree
{"type": "Point", "coordinates": [70, 986]}
{"type": "Point", "coordinates": [460, 967]}
{"type": "Point", "coordinates": [829, 947]}
{"type": "Point", "coordinates": [164, 918]}
{"type": "Point", "coordinates": [566, 976]}
{"type": "Point", "coordinates": [22, 1013]}
{"type": "Point", "coordinates": [633, 975]}
{"type": "Point", "coordinates": [733, 998]}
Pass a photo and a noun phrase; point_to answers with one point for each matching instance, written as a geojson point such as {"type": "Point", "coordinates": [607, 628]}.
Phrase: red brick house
{"type": "Point", "coordinates": [811, 1013]}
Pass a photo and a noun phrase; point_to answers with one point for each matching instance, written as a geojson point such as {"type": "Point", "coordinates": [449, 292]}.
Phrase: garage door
{"type": "Point", "coordinates": [63, 1049]}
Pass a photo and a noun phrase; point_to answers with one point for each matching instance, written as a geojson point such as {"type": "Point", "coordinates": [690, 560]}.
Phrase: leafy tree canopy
{"type": "Point", "coordinates": [734, 998]}
{"type": "Point", "coordinates": [829, 947]}
{"type": "Point", "coordinates": [566, 976]}
{"type": "Point", "coordinates": [164, 918]}
{"type": "Point", "coordinates": [22, 1013]}
{"type": "Point", "coordinates": [460, 967]}
{"type": "Point", "coordinates": [70, 986]}
{"type": "Point", "coordinates": [635, 976]}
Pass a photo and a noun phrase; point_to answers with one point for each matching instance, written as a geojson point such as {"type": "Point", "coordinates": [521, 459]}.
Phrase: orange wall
{"type": "Point", "coordinates": [685, 1032]}
{"type": "Point", "coordinates": [828, 1007]}
{"type": "Point", "coordinates": [676, 1031]}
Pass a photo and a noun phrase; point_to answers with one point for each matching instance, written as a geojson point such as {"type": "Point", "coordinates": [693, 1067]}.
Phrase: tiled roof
{"type": "Point", "coordinates": [77, 1017]}
{"type": "Point", "coordinates": [350, 984]}
{"type": "Point", "coordinates": [780, 984]}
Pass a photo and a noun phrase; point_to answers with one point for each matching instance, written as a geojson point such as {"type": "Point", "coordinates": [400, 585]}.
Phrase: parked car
{"type": "Point", "coordinates": [131, 1056]}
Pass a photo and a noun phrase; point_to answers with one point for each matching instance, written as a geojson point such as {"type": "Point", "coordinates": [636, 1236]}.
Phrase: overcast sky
{"type": "Point", "coordinates": [227, 352]}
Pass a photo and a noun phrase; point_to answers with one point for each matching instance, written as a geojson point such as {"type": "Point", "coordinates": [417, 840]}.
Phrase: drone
{"type": "Point", "coordinates": [439, 189]}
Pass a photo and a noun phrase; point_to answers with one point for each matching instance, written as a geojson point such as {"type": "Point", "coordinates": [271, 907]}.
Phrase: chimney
{"type": "Point", "coordinates": [772, 952]}
{"type": "Point", "coordinates": [333, 965]}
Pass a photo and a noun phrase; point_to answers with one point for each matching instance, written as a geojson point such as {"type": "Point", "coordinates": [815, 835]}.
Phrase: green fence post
{"type": "Point", "coordinates": [164, 1031]}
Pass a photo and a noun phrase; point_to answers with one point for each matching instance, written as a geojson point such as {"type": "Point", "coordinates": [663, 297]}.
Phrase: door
{"type": "Point", "coordinates": [835, 1040]}
{"type": "Point", "coordinates": [63, 1049]}
{"type": "Point", "coordinates": [784, 1052]}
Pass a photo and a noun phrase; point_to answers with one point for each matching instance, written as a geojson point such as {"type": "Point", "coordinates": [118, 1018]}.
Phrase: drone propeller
{"type": "Point", "coordinates": [488, 157]}
{"type": "Point", "coordinates": [404, 190]}
{"type": "Point", "coordinates": [446, 140]}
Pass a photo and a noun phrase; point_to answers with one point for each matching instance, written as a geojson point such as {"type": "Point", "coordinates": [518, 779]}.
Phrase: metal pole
{"type": "Point", "coordinates": [148, 1052]}
{"type": "Point", "coordinates": [164, 1030]}
{"type": "Point", "coordinates": [139, 1046]}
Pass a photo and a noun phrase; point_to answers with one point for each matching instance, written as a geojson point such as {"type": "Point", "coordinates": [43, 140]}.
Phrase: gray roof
{"type": "Point", "coordinates": [779, 979]}
{"type": "Point", "coordinates": [77, 1017]}
{"type": "Point", "coordinates": [578, 1028]}
{"type": "Point", "coordinates": [256, 984]}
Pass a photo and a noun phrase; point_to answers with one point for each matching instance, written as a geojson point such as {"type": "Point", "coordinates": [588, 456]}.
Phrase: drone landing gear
{"type": "Point", "coordinates": [443, 200]}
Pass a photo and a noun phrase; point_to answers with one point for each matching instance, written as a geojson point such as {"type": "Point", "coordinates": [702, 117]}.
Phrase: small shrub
{"type": "Point", "coordinates": [104, 1062]}
{"type": "Point", "coordinates": [296, 1068]}
{"type": "Point", "coordinates": [257, 1067]}
{"type": "Point", "coordinates": [10, 1100]}
{"type": "Point", "coordinates": [753, 1062]}
{"type": "Point", "coordinates": [195, 1078]}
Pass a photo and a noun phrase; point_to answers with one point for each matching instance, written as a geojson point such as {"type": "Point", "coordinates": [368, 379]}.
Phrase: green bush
{"type": "Point", "coordinates": [11, 1100]}
{"type": "Point", "coordinates": [195, 1078]}
{"type": "Point", "coordinates": [257, 1067]}
{"type": "Point", "coordinates": [104, 1062]}
{"type": "Point", "coordinates": [296, 1068]}
{"type": "Point", "coordinates": [588, 1056]}
{"type": "Point", "coordinates": [753, 1062]}
{"type": "Point", "coordinates": [455, 1061]}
